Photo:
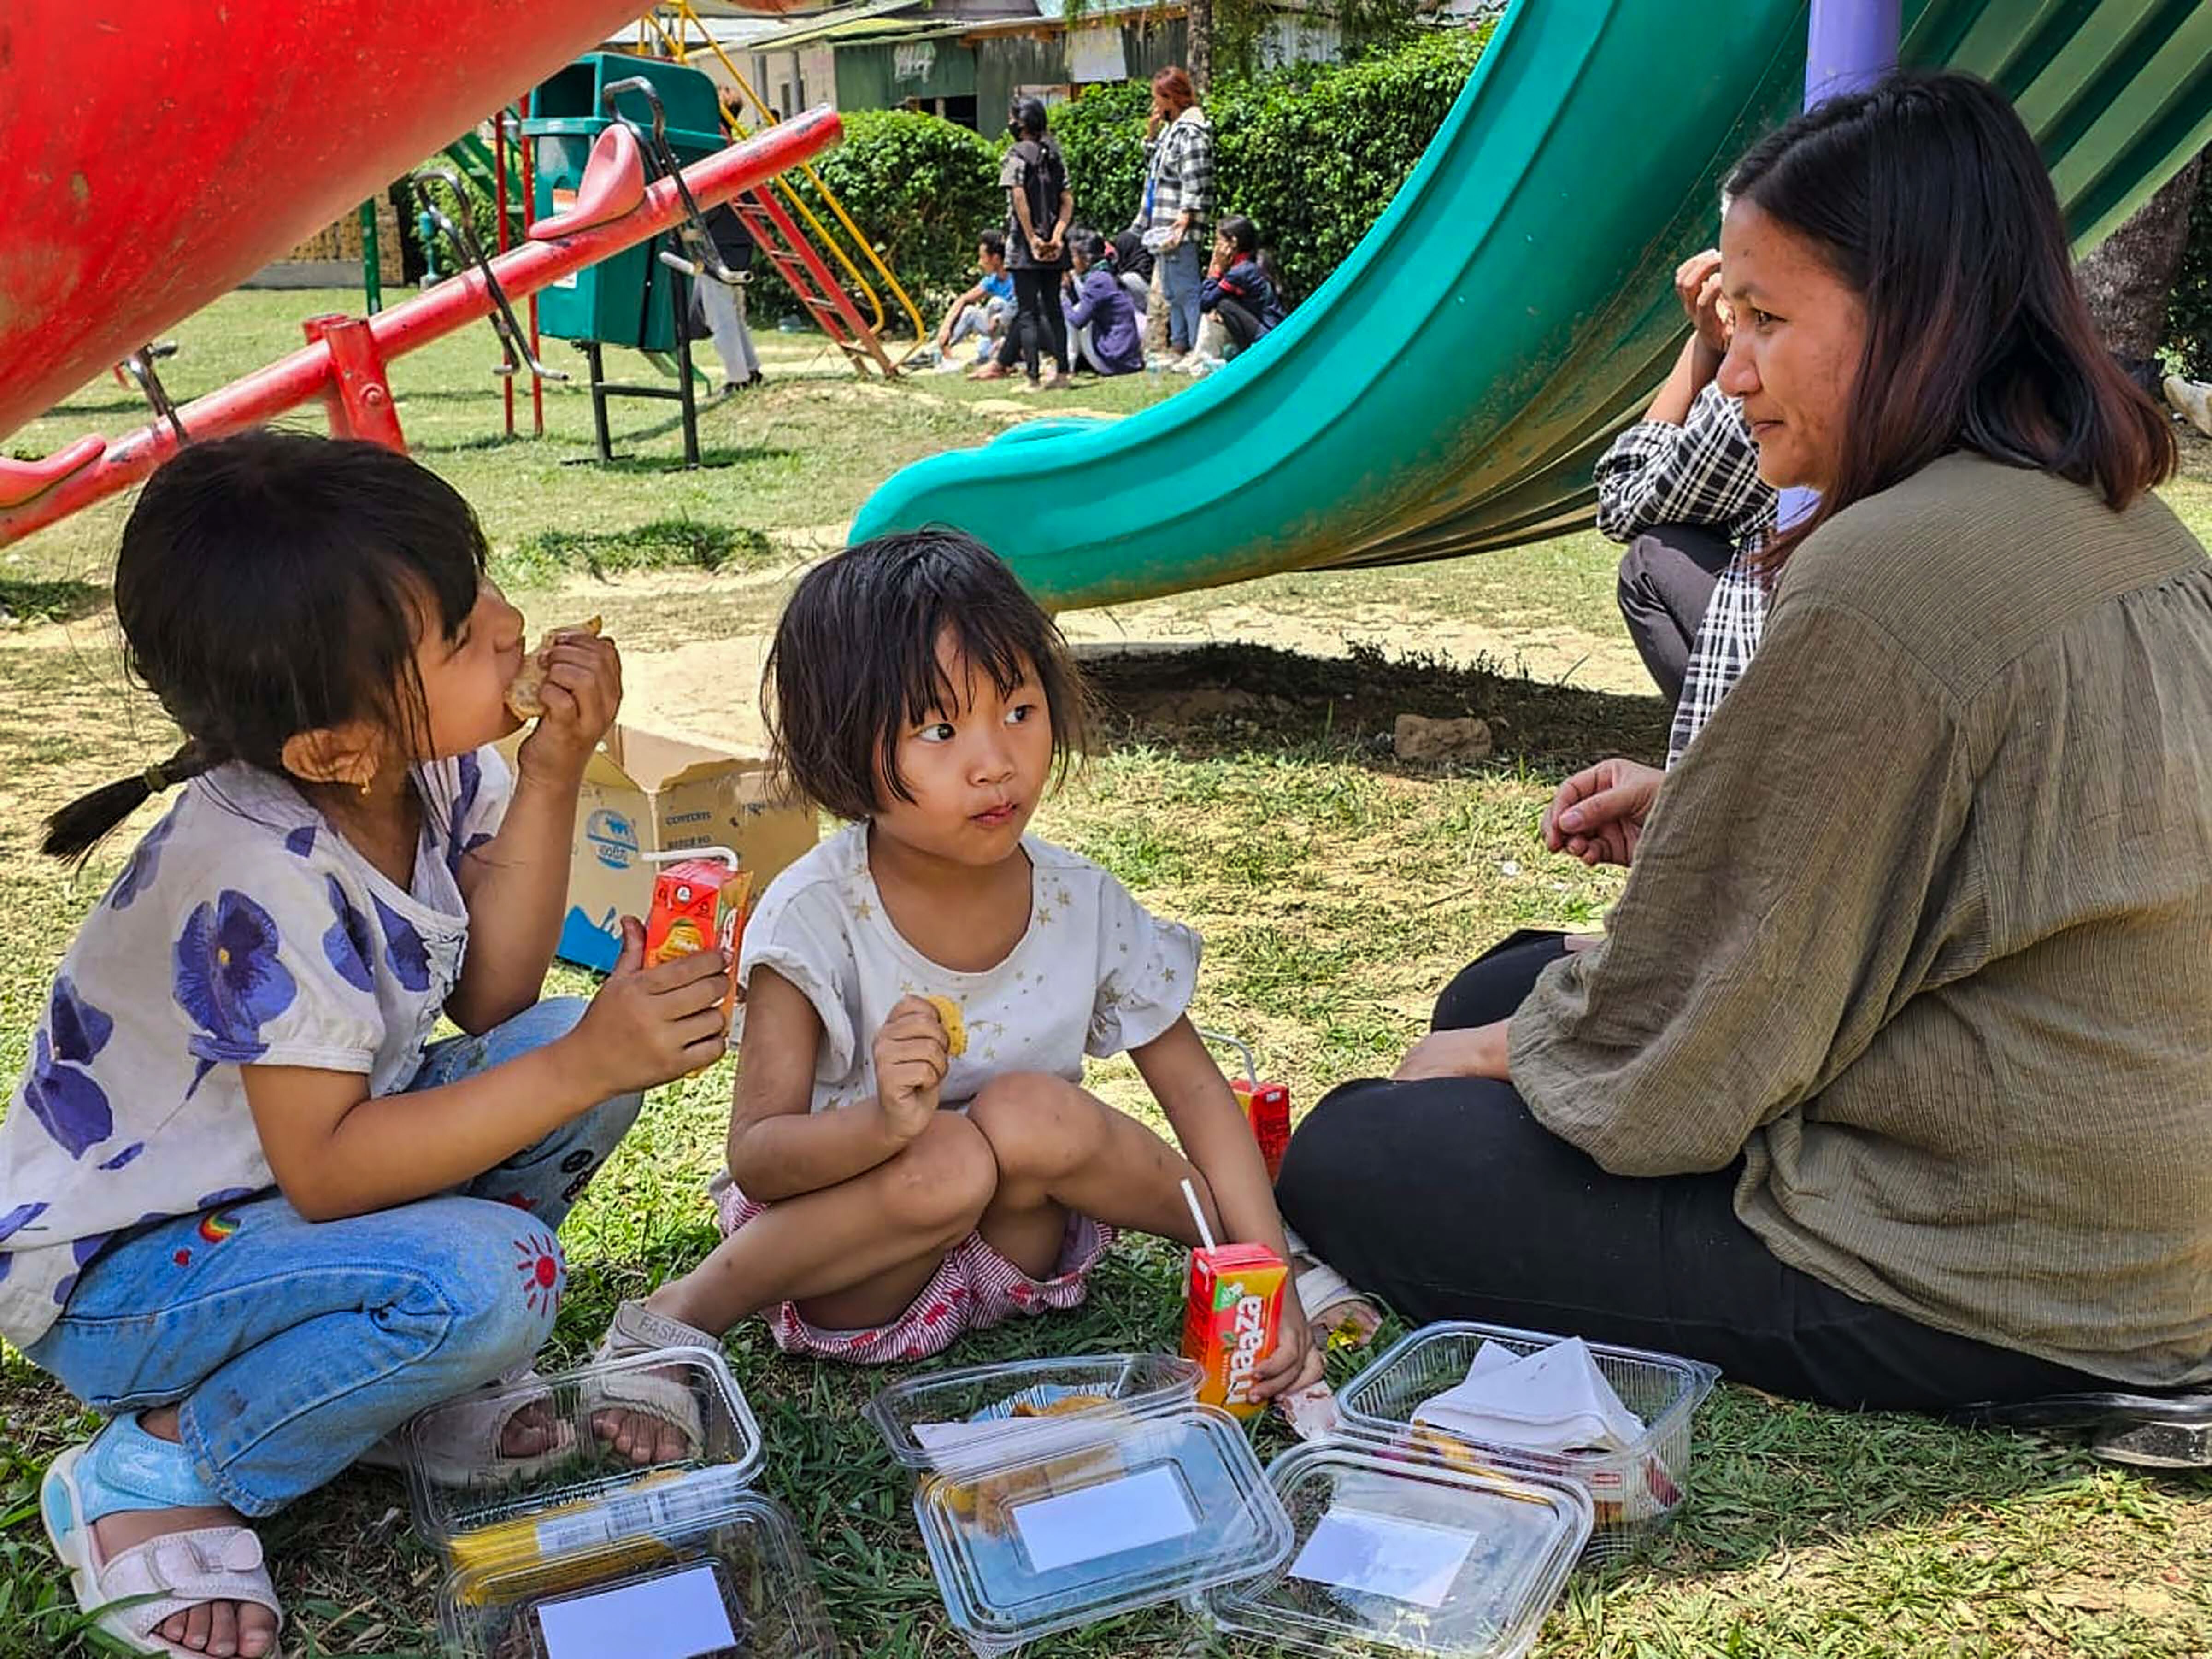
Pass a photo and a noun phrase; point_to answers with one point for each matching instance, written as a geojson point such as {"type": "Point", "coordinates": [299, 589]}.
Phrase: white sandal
{"type": "Point", "coordinates": [1329, 1301]}
{"type": "Point", "coordinates": [637, 1329]}
{"type": "Point", "coordinates": [157, 1579]}
{"type": "Point", "coordinates": [465, 1449]}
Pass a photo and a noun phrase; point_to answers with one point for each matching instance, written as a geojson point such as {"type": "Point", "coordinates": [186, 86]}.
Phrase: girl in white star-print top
{"type": "Point", "coordinates": [893, 1182]}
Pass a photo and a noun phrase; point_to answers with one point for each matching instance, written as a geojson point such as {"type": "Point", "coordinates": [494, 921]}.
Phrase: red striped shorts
{"type": "Point", "coordinates": [973, 1289]}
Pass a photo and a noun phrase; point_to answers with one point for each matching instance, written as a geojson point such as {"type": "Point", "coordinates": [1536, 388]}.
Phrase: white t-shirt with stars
{"type": "Point", "coordinates": [1095, 973]}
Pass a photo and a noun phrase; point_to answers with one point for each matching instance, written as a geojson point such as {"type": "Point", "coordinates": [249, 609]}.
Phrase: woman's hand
{"type": "Point", "coordinates": [1477, 1051]}
{"type": "Point", "coordinates": [1598, 814]}
{"type": "Point", "coordinates": [582, 695]}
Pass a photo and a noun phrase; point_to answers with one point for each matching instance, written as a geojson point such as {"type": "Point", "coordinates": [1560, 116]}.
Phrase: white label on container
{"type": "Point", "coordinates": [1385, 1555]}
{"type": "Point", "coordinates": [965, 1450]}
{"type": "Point", "coordinates": [670, 1506]}
{"type": "Point", "coordinates": [677, 1617]}
{"type": "Point", "coordinates": [1104, 1520]}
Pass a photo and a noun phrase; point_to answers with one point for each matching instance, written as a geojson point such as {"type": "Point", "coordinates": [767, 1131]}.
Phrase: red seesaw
{"type": "Point", "coordinates": [343, 363]}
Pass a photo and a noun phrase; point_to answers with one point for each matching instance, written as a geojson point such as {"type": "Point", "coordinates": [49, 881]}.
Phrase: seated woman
{"type": "Point", "coordinates": [1241, 298]}
{"type": "Point", "coordinates": [1890, 1083]}
{"type": "Point", "coordinates": [1104, 322]}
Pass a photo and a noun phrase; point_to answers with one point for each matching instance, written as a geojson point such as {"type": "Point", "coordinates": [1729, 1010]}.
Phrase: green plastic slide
{"type": "Point", "coordinates": [1447, 389]}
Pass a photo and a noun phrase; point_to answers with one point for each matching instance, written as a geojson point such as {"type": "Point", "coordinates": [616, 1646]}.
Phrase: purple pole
{"type": "Point", "coordinates": [1849, 44]}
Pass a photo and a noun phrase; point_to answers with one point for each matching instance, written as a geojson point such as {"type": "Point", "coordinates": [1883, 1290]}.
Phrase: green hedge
{"type": "Point", "coordinates": [920, 189]}
{"type": "Point", "coordinates": [1312, 153]}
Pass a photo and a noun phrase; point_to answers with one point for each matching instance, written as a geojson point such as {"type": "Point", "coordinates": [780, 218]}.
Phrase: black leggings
{"type": "Point", "coordinates": [1240, 321]}
{"type": "Point", "coordinates": [1447, 1199]}
{"type": "Point", "coordinates": [1666, 579]}
{"type": "Point", "coordinates": [1039, 329]}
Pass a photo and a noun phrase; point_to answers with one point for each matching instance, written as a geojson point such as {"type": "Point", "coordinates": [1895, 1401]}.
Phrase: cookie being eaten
{"type": "Point", "coordinates": [956, 1028]}
{"type": "Point", "coordinates": [525, 693]}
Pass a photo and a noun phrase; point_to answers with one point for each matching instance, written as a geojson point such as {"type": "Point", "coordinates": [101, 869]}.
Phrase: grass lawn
{"type": "Point", "coordinates": [1250, 790]}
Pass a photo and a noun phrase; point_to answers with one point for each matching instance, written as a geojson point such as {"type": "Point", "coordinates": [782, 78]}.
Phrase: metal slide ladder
{"type": "Point", "coordinates": [850, 310]}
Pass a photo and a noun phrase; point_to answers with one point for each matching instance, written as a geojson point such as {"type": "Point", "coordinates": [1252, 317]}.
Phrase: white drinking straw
{"type": "Point", "coordinates": [1205, 1233]}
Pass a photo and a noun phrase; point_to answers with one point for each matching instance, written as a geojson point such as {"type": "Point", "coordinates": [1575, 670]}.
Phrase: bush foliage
{"type": "Point", "coordinates": [920, 189]}
{"type": "Point", "coordinates": [1312, 153]}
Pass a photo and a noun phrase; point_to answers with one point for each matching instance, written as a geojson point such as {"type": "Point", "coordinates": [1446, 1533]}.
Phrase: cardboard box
{"type": "Point", "coordinates": [644, 792]}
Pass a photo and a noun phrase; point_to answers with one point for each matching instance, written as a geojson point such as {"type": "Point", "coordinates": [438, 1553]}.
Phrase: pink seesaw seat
{"type": "Point", "coordinates": [613, 184]}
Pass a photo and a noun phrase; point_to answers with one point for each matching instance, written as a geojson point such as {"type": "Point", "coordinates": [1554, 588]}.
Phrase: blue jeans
{"type": "Point", "coordinates": [294, 1346]}
{"type": "Point", "coordinates": [1181, 279]}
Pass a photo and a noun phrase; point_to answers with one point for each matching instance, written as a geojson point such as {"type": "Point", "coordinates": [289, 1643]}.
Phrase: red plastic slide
{"type": "Point", "coordinates": [155, 153]}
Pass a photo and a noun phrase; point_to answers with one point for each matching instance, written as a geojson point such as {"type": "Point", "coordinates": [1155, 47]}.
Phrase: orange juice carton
{"type": "Point", "coordinates": [1266, 1105]}
{"type": "Point", "coordinates": [699, 904]}
{"type": "Point", "coordinates": [1228, 1326]}
{"type": "Point", "coordinates": [1267, 1110]}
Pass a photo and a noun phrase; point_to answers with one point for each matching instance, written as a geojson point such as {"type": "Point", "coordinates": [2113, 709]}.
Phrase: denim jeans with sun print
{"type": "Point", "coordinates": [294, 1345]}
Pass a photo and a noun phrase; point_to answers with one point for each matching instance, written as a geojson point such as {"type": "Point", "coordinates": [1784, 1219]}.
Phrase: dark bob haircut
{"type": "Point", "coordinates": [854, 664]}
{"type": "Point", "coordinates": [1926, 195]}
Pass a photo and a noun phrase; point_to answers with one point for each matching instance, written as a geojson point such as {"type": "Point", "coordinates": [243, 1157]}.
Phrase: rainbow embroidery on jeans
{"type": "Point", "coordinates": [217, 1226]}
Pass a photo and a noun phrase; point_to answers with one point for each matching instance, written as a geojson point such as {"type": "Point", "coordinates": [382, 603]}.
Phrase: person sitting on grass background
{"type": "Point", "coordinates": [984, 311]}
{"type": "Point", "coordinates": [1889, 1085]}
{"type": "Point", "coordinates": [1681, 490]}
{"type": "Point", "coordinates": [247, 1208]}
{"type": "Point", "coordinates": [912, 1154]}
{"type": "Point", "coordinates": [1103, 321]}
{"type": "Point", "coordinates": [1241, 297]}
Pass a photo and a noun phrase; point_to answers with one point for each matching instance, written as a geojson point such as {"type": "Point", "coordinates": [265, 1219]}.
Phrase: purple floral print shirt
{"type": "Point", "coordinates": [242, 930]}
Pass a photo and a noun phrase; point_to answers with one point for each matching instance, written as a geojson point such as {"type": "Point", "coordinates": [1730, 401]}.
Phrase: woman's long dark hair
{"type": "Point", "coordinates": [274, 583]}
{"type": "Point", "coordinates": [1926, 195]}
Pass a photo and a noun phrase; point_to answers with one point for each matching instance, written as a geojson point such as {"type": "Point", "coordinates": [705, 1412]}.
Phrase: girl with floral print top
{"type": "Point", "coordinates": [892, 1184]}
{"type": "Point", "coordinates": [246, 1207]}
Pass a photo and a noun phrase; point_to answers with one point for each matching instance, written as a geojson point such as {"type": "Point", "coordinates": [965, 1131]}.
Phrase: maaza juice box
{"type": "Point", "coordinates": [699, 904]}
{"type": "Point", "coordinates": [1267, 1110]}
{"type": "Point", "coordinates": [1228, 1327]}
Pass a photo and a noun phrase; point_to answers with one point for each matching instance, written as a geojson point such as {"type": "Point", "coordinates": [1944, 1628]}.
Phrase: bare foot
{"type": "Point", "coordinates": [532, 1432]}
{"type": "Point", "coordinates": [224, 1630]}
{"type": "Point", "coordinates": [645, 1436]}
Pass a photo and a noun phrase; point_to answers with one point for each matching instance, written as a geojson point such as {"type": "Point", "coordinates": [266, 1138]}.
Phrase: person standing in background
{"type": "Point", "coordinates": [1039, 206]}
{"type": "Point", "coordinates": [1177, 211]}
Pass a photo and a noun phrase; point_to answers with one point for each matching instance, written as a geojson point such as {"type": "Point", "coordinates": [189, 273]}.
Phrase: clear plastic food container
{"type": "Point", "coordinates": [456, 1493]}
{"type": "Point", "coordinates": [1404, 1552]}
{"type": "Point", "coordinates": [738, 1587]}
{"type": "Point", "coordinates": [1632, 1490]}
{"type": "Point", "coordinates": [581, 1551]}
{"type": "Point", "coordinates": [1123, 1510]}
{"type": "Point", "coordinates": [950, 1421]}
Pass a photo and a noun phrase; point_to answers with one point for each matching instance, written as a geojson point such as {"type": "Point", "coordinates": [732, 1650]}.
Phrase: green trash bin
{"type": "Point", "coordinates": [624, 299]}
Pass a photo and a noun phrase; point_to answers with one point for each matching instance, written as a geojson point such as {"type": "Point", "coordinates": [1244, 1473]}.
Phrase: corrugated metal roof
{"type": "Point", "coordinates": [823, 25]}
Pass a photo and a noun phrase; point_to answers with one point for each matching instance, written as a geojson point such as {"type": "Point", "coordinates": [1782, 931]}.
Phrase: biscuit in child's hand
{"type": "Point", "coordinates": [525, 693]}
{"type": "Point", "coordinates": [956, 1028]}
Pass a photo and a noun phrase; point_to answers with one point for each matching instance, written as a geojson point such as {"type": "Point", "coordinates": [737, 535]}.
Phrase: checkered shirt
{"type": "Point", "coordinates": [1181, 174]}
{"type": "Point", "coordinates": [1703, 471]}
{"type": "Point", "coordinates": [1734, 618]}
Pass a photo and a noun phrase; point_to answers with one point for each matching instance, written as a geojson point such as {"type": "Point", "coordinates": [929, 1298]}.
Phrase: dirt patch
{"type": "Point", "coordinates": [1218, 698]}
{"type": "Point", "coordinates": [1602, 663]}
{"type": "Point", "coordinates": [709, 688]}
